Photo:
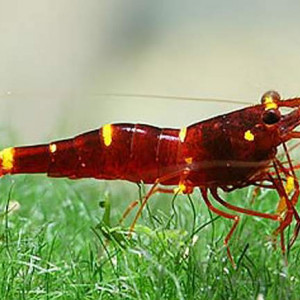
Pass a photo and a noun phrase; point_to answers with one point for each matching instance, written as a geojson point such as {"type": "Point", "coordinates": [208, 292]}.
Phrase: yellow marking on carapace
{"type": "Point", "coordinates": [189, 160]}
{"type": "Point", "coordinates": [289, 187]}
{"type": "Point", "coordinates": [182, 134]}
{"type": "Point", "coordinates": [52, 148]}
{"type": "Point", "coordinates": [270, 103]}
{"type": "Point", "coordinates": [107, 132]}
{"type": "Point", "coordinates": [180, 189]}
{"type": "Point", "coordinates": [249, 136]}
{"type": "Point", "coordinates": [7, 157]}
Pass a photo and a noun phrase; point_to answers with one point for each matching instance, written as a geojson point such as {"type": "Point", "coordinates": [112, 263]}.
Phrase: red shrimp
{"type": "Point", "coordinates": [226, 152]}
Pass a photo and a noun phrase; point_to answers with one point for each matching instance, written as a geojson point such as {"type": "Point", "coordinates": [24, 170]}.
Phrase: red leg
{"type": "Point", "coordinates": [243, 210]}
{"type": "Point", "coordinates": [133, 204]}
{"type": "Point", "coordinates": [295, 196]}
{"type": "Point", "coordinates": [182, 174]}
{"type": "Point", "coordinates": [294, 201]}
{"type": "Point", "coordinates": [289, 211]}
{"type": "Point", "coordinates": [254, 194]}
{"type": "Point", "coordinates": [235, 218]}
{"type": "Point", "coordinates": [127, 211]}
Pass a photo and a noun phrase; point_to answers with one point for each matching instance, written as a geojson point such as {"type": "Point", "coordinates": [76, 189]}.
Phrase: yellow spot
{"type": "Point", "coordinates": [289, 187]}
{"type": "Point", "coordinates": [180, 189]}
{"type": "Point", "coordinates": [281, 206]}
{"type": "Point", "coordinates": [7, 157]}
{"type": "Point", "coordinates": [189, 160]}
{"type": "Point", "coordinates": [182, 134]}
{"type": "Point", "coordinates": [107, 132]}
{"type": "Point", "coordinates": [270, 103]}
{"type": "Point", "coordinates": [290, 184]}
{"type": "Point", "coordinates": [249, 136]}
{"type": "Point", "coordinates": [52, 148]}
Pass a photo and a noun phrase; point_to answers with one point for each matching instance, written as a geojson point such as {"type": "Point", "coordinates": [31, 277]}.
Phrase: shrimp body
{"type": "Point", "coordinates": [225, 150]}
{"type": "Point", "coordinates": [228, 152]}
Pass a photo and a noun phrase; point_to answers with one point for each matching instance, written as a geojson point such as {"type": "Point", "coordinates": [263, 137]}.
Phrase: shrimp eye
{"type": "Point", "coordinates": [271, 116]}
{"type": "Point", "coordinates": [270, 96]}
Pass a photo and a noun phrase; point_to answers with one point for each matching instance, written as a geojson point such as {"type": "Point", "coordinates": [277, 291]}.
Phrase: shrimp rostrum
{"type": "Point", "coordinates": [226, 152]}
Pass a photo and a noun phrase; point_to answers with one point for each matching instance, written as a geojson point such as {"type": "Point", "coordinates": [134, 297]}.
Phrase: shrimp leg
{"type": "Point", "coordinates": [289, 208]}
{"type": "Point", "coordinates": [235, 218]}
{"type": "Point", "coordinates": [274, 217]}
{"type": "Point", "coordinates": [182, 174]}
{"type": "Point", "coordinates": [243, 210]}
{"type": "Point", "coordinates": [134, 203]}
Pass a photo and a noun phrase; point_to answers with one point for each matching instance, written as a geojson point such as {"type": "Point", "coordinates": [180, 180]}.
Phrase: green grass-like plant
{"type": "Point", "coordinates": [61, 239]}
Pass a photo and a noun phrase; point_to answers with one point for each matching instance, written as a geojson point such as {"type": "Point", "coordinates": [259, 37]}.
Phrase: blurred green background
{"type": "Point", "coordinates": [58, 56]}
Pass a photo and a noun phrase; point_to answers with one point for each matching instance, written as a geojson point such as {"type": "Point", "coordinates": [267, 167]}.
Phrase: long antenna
{"type": "Point", "coordinates": [150, 96]}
